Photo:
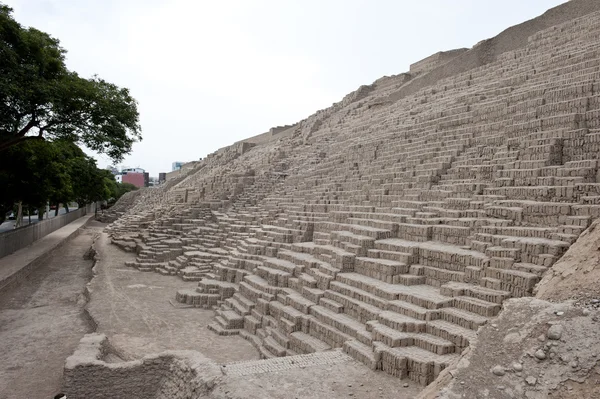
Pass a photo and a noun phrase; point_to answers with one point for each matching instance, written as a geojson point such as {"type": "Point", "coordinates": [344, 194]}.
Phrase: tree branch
{"type": "Point", "coordinates": [9, 143]}
{"type": "Point", "coordinates": [27, 128]}
{"type": "Point", "coordinates": [48, 125]}
{"type": "Point", "coordinates": [33, 122]}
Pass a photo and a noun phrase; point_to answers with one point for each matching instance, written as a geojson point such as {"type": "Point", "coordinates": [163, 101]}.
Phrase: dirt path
{"type": "Point", "coordinates": [138, 313]}
{"type": "Point", "coordinates": [42, 321]}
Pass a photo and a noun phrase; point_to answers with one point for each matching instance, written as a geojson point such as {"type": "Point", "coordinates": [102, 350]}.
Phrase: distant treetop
{"type": "Point", "coordinates": [41, 99]}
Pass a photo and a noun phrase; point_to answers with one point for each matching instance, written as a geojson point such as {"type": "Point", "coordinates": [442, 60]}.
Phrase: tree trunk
{"type": "Point", "coordinates": [19, 219]}
{"type": "Point", "coordinates": [56, 210]}
{"type": "Point", "coordinates": [67, 207]}
{"type": "Point", "coordinates": [40, 214]}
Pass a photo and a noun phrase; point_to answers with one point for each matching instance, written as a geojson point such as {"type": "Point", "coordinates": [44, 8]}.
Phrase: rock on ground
{"type": "Point", "coordinates": [514, 342]}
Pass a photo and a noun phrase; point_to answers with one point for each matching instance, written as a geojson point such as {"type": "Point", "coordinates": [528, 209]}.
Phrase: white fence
{"type": "Point", "coordinates": [12, 241]}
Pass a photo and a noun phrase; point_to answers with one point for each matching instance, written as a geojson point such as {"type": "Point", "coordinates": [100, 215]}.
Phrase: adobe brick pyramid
{"type": "Point", "coordinates": [394, 223]}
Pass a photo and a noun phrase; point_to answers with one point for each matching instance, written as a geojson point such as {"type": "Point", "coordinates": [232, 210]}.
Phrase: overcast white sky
{"type": "Point", "coordinates": [209, 73]}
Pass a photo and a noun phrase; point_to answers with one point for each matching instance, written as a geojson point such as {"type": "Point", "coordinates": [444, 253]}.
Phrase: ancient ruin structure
{"type": "Point", "coordinates": [394, 223]}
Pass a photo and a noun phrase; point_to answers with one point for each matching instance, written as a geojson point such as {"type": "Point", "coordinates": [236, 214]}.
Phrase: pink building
{"type": "Point", "coordinates": [137, 179]}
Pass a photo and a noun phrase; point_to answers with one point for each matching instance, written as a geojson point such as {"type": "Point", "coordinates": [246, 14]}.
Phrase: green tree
{"type": "Point", "coordinates": [111, 184]}
{"type": "Point", "coordinates": [88, 181]}
{"type": "Point", "coordinates": [35, 172]}
{"type": "Point", "coordinates": [41, 99]}
{"type": "Point", "coordinates": [30, 174]}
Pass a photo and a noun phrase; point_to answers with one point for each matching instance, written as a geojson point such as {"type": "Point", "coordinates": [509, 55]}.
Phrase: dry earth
{"type": "Point", "coordinates": [577, 274]}
{"type": "Point", "coordinates": [42, 321]}
{"type": "Point", "coordinates": [535, 349]}
{"type": "Point", "coordinates": [345, 379]}
{"type": "Point", "coordinates": [138, 314]}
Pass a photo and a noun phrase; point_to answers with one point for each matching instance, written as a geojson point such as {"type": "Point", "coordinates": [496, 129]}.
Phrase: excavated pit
{"type": "Point", "coordinates": [391, 227]}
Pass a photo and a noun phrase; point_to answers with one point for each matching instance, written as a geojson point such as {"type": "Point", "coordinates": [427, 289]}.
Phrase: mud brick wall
{"type": "Point", "coordinates": [176, 375]}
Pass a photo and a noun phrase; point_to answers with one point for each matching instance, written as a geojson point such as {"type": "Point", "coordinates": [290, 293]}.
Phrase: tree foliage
{"type": "Point", "coordinates": [36, 172]}
{"type": "Point", "coordinates": [29, 174]}
{"type": "Point", "coordinates": [41, 99]}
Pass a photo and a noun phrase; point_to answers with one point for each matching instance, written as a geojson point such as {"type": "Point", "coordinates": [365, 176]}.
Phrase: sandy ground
{"type": "Point", "coordinates": [138, 313]}
{"type": "Point", "coordinates": [42, 321]}
{"type": "Point", "coordinates": [518, 355]}
{"type": "Point", "coordinates": [345, 379]}
{"type": "Point", "coordinates": [577, 274]}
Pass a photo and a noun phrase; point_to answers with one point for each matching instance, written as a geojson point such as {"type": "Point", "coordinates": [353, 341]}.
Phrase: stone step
{"type": "Point", "coordinates": [281, 338]}
{"type": "Point", "coordinates": [271, 345]}
{"type": "Point", "coordinates": [343, 323]}
{"type": "Point", "coordinates": [289, 326]}
{"type": "Point", "coordinates": [360, 241]}
{"type": "Point", "coordinates": [402, 257]}
{"type": "Point", "coordinates": [384, 225]}
{"type": "Point", "coordinates": [307, 280]}
{"type": "Point", "coordinates": [279, 310]}
{"type": "Point", "coordinates": [236, 306]}
{"type": "Point", "coordinates": [326, 333]}
{"type": "Point", "coordinates": [304, 343]}
{"type": "Point", "coordinates": [198, 299]}
{"type": "Point", "coordinates": [453, 289]}
{"type": "Point", "coordinates": [421, 295]}
{"type": "Point", "coordinates": [400, 322]}
{"type": "Point", "coordinates": [478, 306]}
{"type": "Point", "coordinates": [460, 336]}
{"type": "Point", "coordinates": [357, 250]}
{"type": "Point", "coordinates": [375, 216]}
{"type": "Point", "coordinates": [331, 304]}
{"type": "Point", "coordinates": [362, 353]}
{"type": "Point", "coordinates": [312, 294]}
{"type": "Point", "coordinates": [357, 294]}
{"type": "Point", "coordinates": [230, 319]}
{"type": "Point", "coordinates": [359, 230]}
{"type": "Point", "coordinates": [462, 318]}
{"type": "Point", "coordinates": [336, 257]}
{"type": "Point", "coordinates": [322, 280]}
{"type": "Point", "coordinates": [381, 269]}
{"type": "Point", "coordinates": [298, 258]}
{"type": "Point", "coordinates": [299, 303]}
{"type": "Point", "coordinates": [530, 268]}
{"type": "Point", "coordinates": [409, 310]}
{"type": "Point", "coordinates": [261, 284]}
{"type": "Point", "coordinates": [394, 338]}
{"type": "Point", "coordinates": [354, 308]}
{"type": "Point", "coordinates": [245, 302]}
{"type": "Point", "coordinates": [283, 265]}
{"type": "Point", "coordinates": [273, 277]}
{"type": "Point", "coordinates": [410, 279]}
{"type": "Point", "coordinates": [519, 283]}
{"type": "Point", "coordinates": [326, 268]}
{"type": "Point", "coordinates": [251, 324]}
{"type": "Point", "coordinates": [435, 276]}
{"type": "Point", "coordinates": [219, 330]}
{"type": "Point", "coordinates": [417, 364]}
{"type": "Point", "coordinates": [254, 294]}
{"type": "Point", "coordinates": [398, 245]}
